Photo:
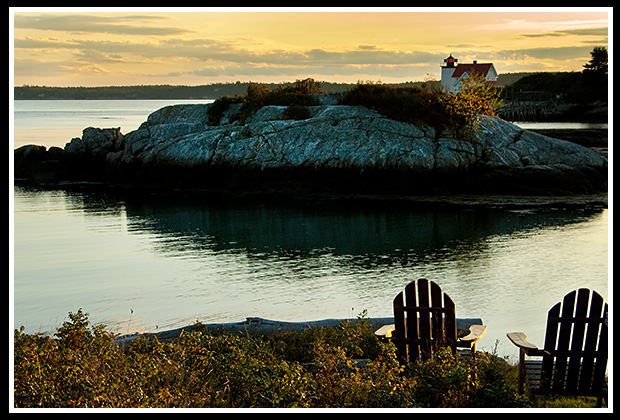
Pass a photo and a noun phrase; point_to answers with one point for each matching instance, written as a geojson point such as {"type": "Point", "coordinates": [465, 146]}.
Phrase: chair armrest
{"type": "Point", "coordinates": [385, 331]}
{"type": "Point", "coordinates": [475, 333]}
{"type": "Point", "coordinates": [519, 339]}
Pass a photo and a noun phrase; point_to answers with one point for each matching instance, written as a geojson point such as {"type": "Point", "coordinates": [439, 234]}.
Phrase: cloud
{"type": "Point", "coordinates": [32, 43]}
{"type": "Point", "coordinates": [569, 32]}
{"type": "Point", "coordinates": [409, 72]}
{"type": "Point", "coordinates": [367, 47]}
{"type": "Point", "coordinates": [535, 22]}
{"type": "Point", "coordinates": [30, 67]}
{"type": "Point", "coordinates": [91, 23]}
{"type": "Point", "coordinates": [550, 53]}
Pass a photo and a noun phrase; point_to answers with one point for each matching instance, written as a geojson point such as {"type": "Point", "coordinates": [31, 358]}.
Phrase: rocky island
{"type": "Point", "coordinates": [328, 149]}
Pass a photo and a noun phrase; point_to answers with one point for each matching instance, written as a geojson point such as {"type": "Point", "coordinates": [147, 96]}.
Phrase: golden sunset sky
{"type": "Point", "coordinates": [142, 46]}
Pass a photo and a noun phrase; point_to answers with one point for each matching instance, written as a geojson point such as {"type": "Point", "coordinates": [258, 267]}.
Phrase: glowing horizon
{"type": "Point", "coordinates": [54, 47]}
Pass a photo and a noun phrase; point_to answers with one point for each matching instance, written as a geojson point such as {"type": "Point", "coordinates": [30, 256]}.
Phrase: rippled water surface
{"type": "Point", "coordinates": [139, 262]}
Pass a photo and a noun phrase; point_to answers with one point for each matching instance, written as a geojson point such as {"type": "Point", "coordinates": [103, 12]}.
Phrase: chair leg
{"type": "Point", "coordinates": [602, 397]}
{"type": "Point", "coordinates": [521, 372]}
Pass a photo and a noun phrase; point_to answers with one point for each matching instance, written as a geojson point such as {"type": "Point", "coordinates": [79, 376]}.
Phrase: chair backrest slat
{"type": "Point", "coordinates": [590, 346]}
{"type": "Point", "coordinates": [577, 341]}
{"type": "Point", "coordinates": [449, 319]}
{"type": "Point", "coordinates": [600, 362]}
{"type": "Point", "coordinates": [550, 343]}
{"type": "Point", "coordinates": [399, 326]}
{"type": "Point", "coordinates": [437, 324]}
{"type": "Point", "coordinates": [424, 319]}
{"type": "Point", "coordinates": [563, 343]}
{"type": "Point", "coordinates": [413, 326]}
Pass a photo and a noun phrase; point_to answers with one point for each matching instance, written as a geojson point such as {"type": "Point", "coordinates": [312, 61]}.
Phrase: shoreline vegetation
{"type": "Point", "coordinates": [342, 366]}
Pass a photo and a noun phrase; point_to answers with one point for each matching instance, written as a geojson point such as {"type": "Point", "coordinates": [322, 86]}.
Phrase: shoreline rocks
{"type": "Point", "coordinates": [338, 149]}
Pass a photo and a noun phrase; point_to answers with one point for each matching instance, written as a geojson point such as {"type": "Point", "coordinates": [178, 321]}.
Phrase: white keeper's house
{"type": "Point", "coordinates": [452, 73]}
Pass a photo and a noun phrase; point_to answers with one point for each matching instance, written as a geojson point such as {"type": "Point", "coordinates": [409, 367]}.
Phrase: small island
{"type": "Point", "coordinates": [373, 140]}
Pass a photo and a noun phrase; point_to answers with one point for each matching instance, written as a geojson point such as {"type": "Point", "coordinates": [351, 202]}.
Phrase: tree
{"type": "Point", "coordinates": [475, 97]}
{"type": "Point", "coordinates": [595, 76]}
{"type": "Point", "coordinates": [256, 92]}
{"type": "Point", "coordinates": [598, 62]}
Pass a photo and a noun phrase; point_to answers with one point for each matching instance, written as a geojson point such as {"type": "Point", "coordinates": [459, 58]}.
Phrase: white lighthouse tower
{"type": "Point", "coordinates": [447, 71]}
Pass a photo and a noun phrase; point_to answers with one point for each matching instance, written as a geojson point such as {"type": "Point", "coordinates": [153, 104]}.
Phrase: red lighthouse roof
{"type": "Point", "coordinates": [480, 68]}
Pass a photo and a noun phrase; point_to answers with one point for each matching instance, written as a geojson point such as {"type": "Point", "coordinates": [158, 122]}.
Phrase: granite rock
{"type": "Point", "coordinates": [349, 140]}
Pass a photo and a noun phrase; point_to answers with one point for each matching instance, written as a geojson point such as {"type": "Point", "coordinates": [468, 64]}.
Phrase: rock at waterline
{"type": "Point", "coordinates": [338, 149]}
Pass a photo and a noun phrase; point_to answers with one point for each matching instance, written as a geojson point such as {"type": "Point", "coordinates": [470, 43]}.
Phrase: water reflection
{"type": "Point", "coordinates": [371, 234]}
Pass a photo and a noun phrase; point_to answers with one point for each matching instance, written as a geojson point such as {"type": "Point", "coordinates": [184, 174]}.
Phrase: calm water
{"type": "Point", "coordinates": [147, 263]}
{"type": "Point", "coordinates": [55, 123]}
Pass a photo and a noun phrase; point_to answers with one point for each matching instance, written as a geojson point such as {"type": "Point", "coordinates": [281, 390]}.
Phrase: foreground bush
{"type": "Point", "coordinates": [84, 367]}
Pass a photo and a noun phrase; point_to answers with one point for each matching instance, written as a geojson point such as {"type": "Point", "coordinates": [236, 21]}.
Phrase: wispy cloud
{"type": "Point", "coordinates": [536, 23]}
{"type": "Point", "coordinates": [92, 23]}
{"type": "Point", "coordinates": [552, 53]}
{"type": "Point", "coordinates": [568, 32]}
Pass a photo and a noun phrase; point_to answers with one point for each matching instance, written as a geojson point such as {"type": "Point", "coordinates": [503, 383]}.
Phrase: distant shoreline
{"type": "Point", "coordinates": [153, 92]}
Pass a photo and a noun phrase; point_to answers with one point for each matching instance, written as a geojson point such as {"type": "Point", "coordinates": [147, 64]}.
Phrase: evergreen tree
{"type": "Point", "coordinates": [598, 62]}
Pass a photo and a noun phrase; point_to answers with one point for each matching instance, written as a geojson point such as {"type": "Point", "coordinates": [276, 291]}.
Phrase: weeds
{"type": "Point", "coordinates": [345, 366]}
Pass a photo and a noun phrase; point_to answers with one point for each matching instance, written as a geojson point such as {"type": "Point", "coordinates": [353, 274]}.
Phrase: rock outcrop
{"type": "Point", "coordinates": [337, 149]}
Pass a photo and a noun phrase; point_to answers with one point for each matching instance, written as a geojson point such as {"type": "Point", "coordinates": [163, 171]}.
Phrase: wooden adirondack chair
{"type": "Point", "coordinates": [424, 321]}
{"type": "Point", "coordinates": [574, 358]}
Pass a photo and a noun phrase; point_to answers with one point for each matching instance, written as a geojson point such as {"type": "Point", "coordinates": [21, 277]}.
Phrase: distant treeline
{"type": "Point", "coordinates": [570, 87]}
{"type": "Point", "coordinates": [211, 91]}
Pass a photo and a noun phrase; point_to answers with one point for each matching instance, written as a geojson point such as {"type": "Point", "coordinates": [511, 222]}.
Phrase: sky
{"type": "Point", "coordinates": [197, 46]}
